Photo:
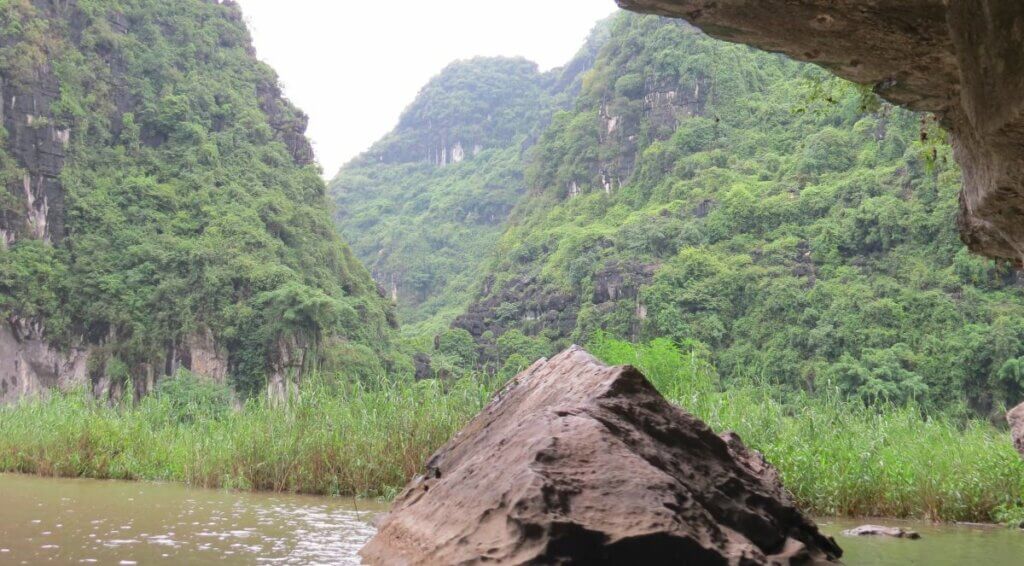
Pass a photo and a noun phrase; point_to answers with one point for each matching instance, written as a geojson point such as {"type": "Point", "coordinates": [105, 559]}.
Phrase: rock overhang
{"type": "Point", "coordinates": [962, 60]}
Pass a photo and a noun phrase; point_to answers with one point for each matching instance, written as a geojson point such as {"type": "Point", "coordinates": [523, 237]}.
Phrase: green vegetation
{"type": "Point", "coordinates": [365, 440]}
{"type": "Point", "coordinates": [837, 456]}
{"type": "Point", "coordinates": [800, 229]}
{"type": "Point", "coordinates": [190, 200]}
{"type": "Point", "coordinates": [781, 243]}
{"type": "Point", "coordinates": [425, 206]}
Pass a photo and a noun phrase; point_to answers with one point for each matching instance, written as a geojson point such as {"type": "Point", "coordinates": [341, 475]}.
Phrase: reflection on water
{"type": "Point", "coordinates": [93, 522]}
{"type": "Point", "coordinates": [985, 545]}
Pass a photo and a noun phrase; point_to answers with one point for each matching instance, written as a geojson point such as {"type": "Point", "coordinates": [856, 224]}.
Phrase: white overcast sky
{"type": "Point", "coordinates": [354, 65]}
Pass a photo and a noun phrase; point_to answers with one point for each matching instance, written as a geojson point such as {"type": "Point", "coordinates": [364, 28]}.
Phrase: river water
{"type": "Point", "coordinates": [53, 521]}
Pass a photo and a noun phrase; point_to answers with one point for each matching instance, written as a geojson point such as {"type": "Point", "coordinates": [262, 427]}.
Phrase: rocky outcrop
{"type": "Point", "coordinates": [618, 280]}
{"type": "Point", "coordinates": [200, 353]}
{"type": "Point", "coordinates": [881, 531]}
{"type": "Point", "coordinates": [422, 368]}
{"type": "Point", "coordinates": [1016, 419]}
{"type": "Point", "coordinates": [30, 366]}
{"type": "Point", "coordinates": [37, 143]}
{"type": "Point", "coordinates": [287, 121]}
{"type": "Point", "coordinates": [524, 303]}
{"type": "Point", "coordinates": [287, 363]}
{"type": "Point", "coordinates": [576, 462]}
{"type": "Point", "coordinates": [960, 59]}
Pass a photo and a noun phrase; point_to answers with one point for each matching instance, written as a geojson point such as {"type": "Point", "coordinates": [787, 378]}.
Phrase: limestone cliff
{"type": "Point", "coordinates": [423, 207]}
{"type": "Point", "coordinates": [793, 224]}
{"type": "Point", "coordinates": [162, 209]}
{"type": "Point", "coordinates": [962, 60]}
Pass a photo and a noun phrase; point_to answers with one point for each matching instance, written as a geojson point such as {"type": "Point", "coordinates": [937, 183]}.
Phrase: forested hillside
{"type": "Point", "coordinates": [740, 203]}
{"type": "Point", "coordinates": [790, 223]}
{"type": "Point", "coordinates": [163, 210]}
{"type": "Point", "coordinates": [424, 207]}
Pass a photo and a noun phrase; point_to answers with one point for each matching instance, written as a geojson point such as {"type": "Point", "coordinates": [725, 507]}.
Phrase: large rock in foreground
{"type": "Point", "coordinates": [576, 462]}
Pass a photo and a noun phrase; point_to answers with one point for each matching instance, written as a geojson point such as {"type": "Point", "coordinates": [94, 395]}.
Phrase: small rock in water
{"type": "Point", "coordinates": [880, 531]}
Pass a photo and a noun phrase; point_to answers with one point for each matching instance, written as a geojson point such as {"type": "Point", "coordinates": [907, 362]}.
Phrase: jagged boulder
{"type": "Point", "coordinates": [577, 462]}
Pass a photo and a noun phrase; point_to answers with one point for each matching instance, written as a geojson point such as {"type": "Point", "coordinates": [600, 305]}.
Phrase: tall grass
{"type": "Point", "coordinates": [838, 457]}
{"type": "Point", "coordinates": [357, 441]}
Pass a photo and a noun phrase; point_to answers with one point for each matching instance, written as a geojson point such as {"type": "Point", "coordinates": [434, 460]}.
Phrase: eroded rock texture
{"type": "Point", "coordinates": [29, 365]}
{"type": "Point", "coordinates": [576, 462]}
{"type": "Point", "coordinates": [1016, 419]}
{"type": "Point", "coordinates": [961, 59]}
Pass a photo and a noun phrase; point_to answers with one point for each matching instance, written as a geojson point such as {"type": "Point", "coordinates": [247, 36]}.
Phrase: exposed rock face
{"type": "Point", "coordinates": [287, 364]}
{"type": "Point", "coordinates": [30, 366]}
{"type": "Point", "coordinates": [665, 105]}
{"type": "Point", "coordinates": [523, 303]}
{"type": "Point", "coordinates": [881, 531]}
{"type": "Point", "coordinates": [288, 122]}
{"type": "Point", "coordinates": [1016, 419]}
{"type": "Point", "coordinates": [38, 144]}
{"type": "Point", "coordinates": [576, 462]}
{"type": "Point", "coordinates": [201, 354]}
{"type": "Point", "coordinates": [423, 370]}
{"type": "Point", "coordinates": [621, 280]}
{"type": "Point", "coordinates": [962, 60]}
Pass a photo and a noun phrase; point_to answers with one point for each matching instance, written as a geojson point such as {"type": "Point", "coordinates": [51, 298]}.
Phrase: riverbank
{"type": "Point", "coordinates": [839, 458]}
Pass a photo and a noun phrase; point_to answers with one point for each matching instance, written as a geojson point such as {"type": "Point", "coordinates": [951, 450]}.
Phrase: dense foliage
{"type": "Point", "coordinates": [796, 227]}
{"type": "Point", "coordinates": [423, 202]}
{"type": "Point", "coordinates": [190, 200]}
{"type": "Point", "coordinates": [421, 228]}
{"type": "Point", "coordinates": [424, 207]}
{"type": "Point", "coordinates": [486, 102]}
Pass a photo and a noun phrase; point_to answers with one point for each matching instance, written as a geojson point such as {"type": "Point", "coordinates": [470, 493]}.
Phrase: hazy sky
{"type": "Point", "coordinates": [354, 65]}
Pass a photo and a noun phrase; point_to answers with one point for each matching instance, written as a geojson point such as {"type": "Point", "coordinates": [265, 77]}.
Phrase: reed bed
{"type": "Point", "coordinates": [838, 457]}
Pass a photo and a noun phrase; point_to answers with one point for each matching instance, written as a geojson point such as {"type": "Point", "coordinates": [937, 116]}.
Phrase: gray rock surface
{"type": "Point", "coordinates": [1016, 419]}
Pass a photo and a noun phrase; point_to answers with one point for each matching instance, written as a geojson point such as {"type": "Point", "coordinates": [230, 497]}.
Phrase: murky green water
{"type": "Point", "coordinates": [92, 522]}
{"type": "Point", "coordinates": [939, 544]}
{"type": "Point", "coordinates": [52, 521]}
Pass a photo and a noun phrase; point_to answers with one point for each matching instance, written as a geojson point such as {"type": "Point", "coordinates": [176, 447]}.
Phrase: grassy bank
{"type": "Point", "coordinates": [838, 457]}
{"type": "Point", "coordinates": [363, 441]}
